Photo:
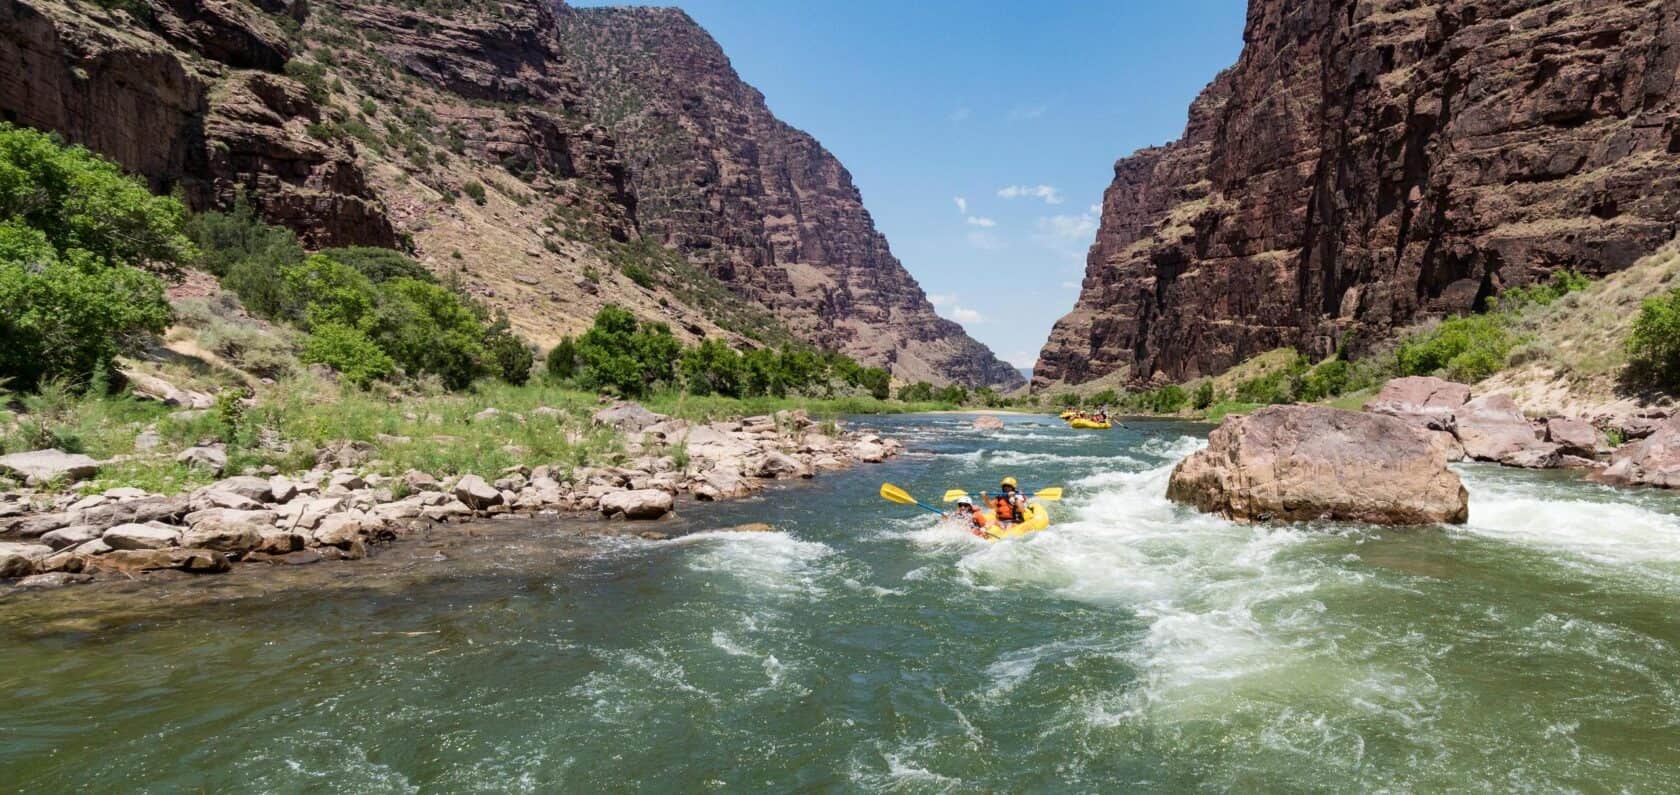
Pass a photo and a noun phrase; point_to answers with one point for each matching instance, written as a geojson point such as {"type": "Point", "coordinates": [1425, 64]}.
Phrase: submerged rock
{"type": "Point", "coordinates": [1302, 463]}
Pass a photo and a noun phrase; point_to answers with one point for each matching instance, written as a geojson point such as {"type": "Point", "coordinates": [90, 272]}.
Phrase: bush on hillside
{"type": "Point", "coordinates": [380, 264]}
{"type": "Point", "coordinates": [562, 361]}
{"type": "Point", "coordinates": [510, 357]}
{"type": "Point", "coordinates": [349, 351]}
{"type": "Point", "coordinates": [1465, 349]}
{"type": "Point", "coordinates": [713, 368]}
{"type": "Point", "coordinates": [919, 392]}
{"type": "Point", "coordinates": [1203, 396]}
{"type": "Point", "coordinates": [1654, 345]}
{"type": "Point", "coordinates": [81, 248]}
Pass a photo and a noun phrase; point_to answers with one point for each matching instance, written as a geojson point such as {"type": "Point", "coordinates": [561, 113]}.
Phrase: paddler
{"type": "Point", "coordinates": [1010, 507]}
{"type": "Point", "coordinates": [965, 513]}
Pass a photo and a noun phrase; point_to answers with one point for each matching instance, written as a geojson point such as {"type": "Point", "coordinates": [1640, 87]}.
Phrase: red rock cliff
{"type": "Point", "coordinates": [1367, 163]}
{"type": "Point", "coordinates": [762, 206]}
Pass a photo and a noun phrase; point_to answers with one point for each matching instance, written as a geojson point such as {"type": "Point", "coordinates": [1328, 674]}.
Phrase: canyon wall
{"type": "Point", "coordinates": [1365, 164]}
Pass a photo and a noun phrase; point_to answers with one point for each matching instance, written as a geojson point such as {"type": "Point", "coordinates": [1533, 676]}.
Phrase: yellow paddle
{"type": "Point", "coordinates": [1049, 495]}
{"type": "Point", "coordinates": [893, 493]}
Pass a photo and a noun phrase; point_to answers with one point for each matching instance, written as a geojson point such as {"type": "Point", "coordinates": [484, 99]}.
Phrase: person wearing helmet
{"type": "Point", "coordinates": [1009, 507]}
{"type": "Point", "coordinates": [965, 513]}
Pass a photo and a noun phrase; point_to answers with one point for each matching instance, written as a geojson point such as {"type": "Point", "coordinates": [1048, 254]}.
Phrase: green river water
{"type": "Point", "coordinates": [1135, 646]}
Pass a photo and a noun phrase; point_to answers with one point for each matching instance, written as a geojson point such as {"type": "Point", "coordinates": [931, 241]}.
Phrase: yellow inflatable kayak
{"type": "Point", "coordinates": [1038, 518]}
{"type": "Point", "coordinates": [1067, 415]}
{"type": "Point", "coordinates": [1086, 424]}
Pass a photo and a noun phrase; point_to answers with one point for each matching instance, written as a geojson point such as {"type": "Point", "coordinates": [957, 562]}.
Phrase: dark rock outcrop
{"type": "Point", "coordinates": [1365, 164]}
{"type": "Point", "coordinates": [763, 207]}
{"type": "Point", "coordinates": [188, 95]}
{"type": "Point", "coordinates": [1306, 463]}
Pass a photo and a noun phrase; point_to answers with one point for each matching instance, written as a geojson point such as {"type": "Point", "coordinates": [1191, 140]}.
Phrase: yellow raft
{"type": "Point", "coordinates": [1038, 518]}
{"type": "Point", "coordinates": [1086, 424]}
{"type": "Point", "coordinates": [1067, 415]}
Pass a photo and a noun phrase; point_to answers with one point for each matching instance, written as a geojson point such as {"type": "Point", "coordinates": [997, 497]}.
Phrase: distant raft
{"type": "Point", "coordinates": [1085, 424]}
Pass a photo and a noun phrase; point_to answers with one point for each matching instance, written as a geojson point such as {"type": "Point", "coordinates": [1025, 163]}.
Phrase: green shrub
{"type": "Point", "coordinates": [1069, 400]}
{"type": "Point", "coordinates": [322, 290]}
{"type": "Point", "coordinates": [919, 392]}
{"type": "Point", "coordinates": [346, 349]}
{"type": "Point", "coordinates": [1560, 284]}
{"type": "Point", "coordinates": [1329, 379]}
{"type": "Point", "coordinates": [313, 76]}
{"type": "Point", "coordinates": [1654, 345]}
{"type": "Point", "coordinates": [1107, 397]}
{"type": "Point", "coordinates": [69, 320]}
{"type": "Point", "coordinates": [1267, 389]}
{"type": "Point", "coordinates": [509, 356]}
{"type": "Point", "coordinates": [638, 274]}
{"type": "Point", "coordinates": [1203, 396]}
{"type": "Point", "coordinates": [562, 361]}
{"type": "Point", "coordinates": [427, 329]}
{"type": "Point", "coordinates": [474, 191]}
{"type": "Point", "coordinates": [877, 381]}
{"type": "Point", "coordinates": [713, 368]}
{"type": "Point", "coordinates": [1465, 349]}
{"type": "Point", "coordinates": [380, 264]}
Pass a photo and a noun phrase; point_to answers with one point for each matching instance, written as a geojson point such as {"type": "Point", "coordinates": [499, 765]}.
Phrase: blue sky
{"type": "Point", "coordinates": [1018, 110]}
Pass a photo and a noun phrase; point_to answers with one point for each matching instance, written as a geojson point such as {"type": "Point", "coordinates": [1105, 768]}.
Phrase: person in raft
{"type": "Point", "coordinates": [1009, 507]}
{"type": "Point", "coordinates": [973, 519]}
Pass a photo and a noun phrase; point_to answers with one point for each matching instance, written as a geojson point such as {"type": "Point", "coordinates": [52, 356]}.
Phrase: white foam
{"type": "Point", "coordinates": [1615, 532]}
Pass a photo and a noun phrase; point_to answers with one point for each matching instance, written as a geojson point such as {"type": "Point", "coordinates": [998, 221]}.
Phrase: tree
{"type": "Point", "coordinates": [380, 264]}
{"type": "Point", "coordinates": [80, 202]}
{"type": "Point", "coordinates": [919, 392]}
{"type": "Point", "coordinates": [346, 349]}
{"type": "Point", "coordinates": [1654, 345]}
{"type": "Point", "coordinates": [508, 354]}
{"type": "Point", "coordinates": [875, 379]}
{"type": "Point", "coordinates": [562, 360]}
{"type": "Point", "coordinates": [428, 329]}
{"type": "Point", "coordinates": [712, 367]}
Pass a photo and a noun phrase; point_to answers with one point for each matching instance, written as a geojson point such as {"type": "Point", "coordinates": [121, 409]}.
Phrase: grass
{"type": "Point", "coordinates": [439, 433]}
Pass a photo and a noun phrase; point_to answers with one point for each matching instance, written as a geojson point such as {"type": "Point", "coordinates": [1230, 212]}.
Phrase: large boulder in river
{"type": "Point", "coordinates": [988, 422]}
{"type": "Point", "coordinates": [1301, 463]}
{"type": "Point", "coordinates": [637, 503]}
{"type": "Point", "coordinates": [1422, 400]}
{"type": "Point", "coordinates": [1653, 461]}
{"type": "Point", "coordinates": [1493, 428]}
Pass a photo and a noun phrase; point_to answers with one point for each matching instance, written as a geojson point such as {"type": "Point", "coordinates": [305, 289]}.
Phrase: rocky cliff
{"type": "Point", "coordinates": [487, 137]}
{"type": "Point", "coordinates": [1367, 163]}
{"type": "Point", "coordinates": [761, 206]}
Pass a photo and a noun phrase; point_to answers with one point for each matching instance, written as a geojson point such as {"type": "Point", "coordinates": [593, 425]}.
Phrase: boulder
{"type": "Point", "coordinates": [30, 526]}
{"type": "Point", "coordinates": [475, 493]}
{"type": "Point", "coordinates": [870, 452]}
{"type": "Point", "coordinates": [1492, 428]}
{"type": "Point", "coordinates": [338, 530]}
{"type": "Point", "coordinates": [49, 466]}
{"type": "Point", "coordinates": [1573, 437]}
{"type": "Point", "coordinates": [1652, 461]}
{"type": "Point", "coordinates": [778, 465]}
{"type": "Point", "coordinates": [627, 416]}
{"type": "Point", "coordinates": [150, 387]}
{"type": "Point", "coordinates": [281, 489]}
{"type": "Point", "coordinates": [278, 543]}
{"type": "Point", "coordinates": [150, 509]}
{"type": "Point", "coordinates": [141, 536]}
{"type": "Point", "coordinates": [74, 535]}
{"type": "Point", "coordinates": [19, 560]}
{"type": "Point", "coordinates": [56, 579]}
{"type": "Point", "coordinates": [300, 557]}
{"type": "Point", "coordinates": [224, 537]}
{"type": "Point", "coordinates": [418, 481]}
{"type": "Point", "coordinates": [988, 422]}
{"type": "Point", "coordinates": [250, 487]}
{"type": "Point", "coordinates": [1303, 463]}
{"type": "Point", "coordinates": [637, 504]}
{"type": "Point", "coordinates": [344, 453]}
{"type": "Point", "coordinates": [1421, 400]}
{"type": "Point", "coordinates": [208, 457]}
{"type": "Point", "coordinates": [203, 500]}
{"type": "Point", "coordinates": [198, 561]}
{"type": "Point", "coordinates": [1546, 457]}
{"type": "Point", "coordinates": [307, 514]}
{"type": "Point", "coordinates": [724, 485]}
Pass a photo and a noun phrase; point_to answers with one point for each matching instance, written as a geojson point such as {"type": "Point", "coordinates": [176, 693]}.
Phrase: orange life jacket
{"type": "Point", "coordinates": [1003, 509]}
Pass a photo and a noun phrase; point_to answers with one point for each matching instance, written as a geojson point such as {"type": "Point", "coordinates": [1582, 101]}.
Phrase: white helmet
{"type": "Point", "coordinates": [965, 501]}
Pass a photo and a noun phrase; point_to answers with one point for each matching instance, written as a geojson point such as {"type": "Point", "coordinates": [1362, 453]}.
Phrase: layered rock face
{"type": "Point", "coordinates": [1366, 163]}
{"type": "Point", "coordinates": [191, 98]}
{"type": "Point", "coordinates": [760, 205]}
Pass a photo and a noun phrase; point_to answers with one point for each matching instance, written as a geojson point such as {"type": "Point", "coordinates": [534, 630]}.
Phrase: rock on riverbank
{"type": "Point", "coordinates": [1303, 463]}
{"type": "Point", "coordinates": [335, 512]}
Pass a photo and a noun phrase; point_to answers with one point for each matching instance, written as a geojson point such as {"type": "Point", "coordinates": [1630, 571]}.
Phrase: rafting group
{"type": "Point", "coordinates": [1088, 420]}
{"type": "Point", "coordinates": [1009, 513]}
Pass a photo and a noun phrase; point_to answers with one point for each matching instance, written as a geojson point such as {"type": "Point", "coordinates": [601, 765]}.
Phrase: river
{"type": "Point", "coordinates": [1134, 645]}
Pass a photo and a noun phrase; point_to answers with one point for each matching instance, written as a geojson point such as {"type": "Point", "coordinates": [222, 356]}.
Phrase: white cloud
{"type": "Point", "coordinates": [981, 221]}
{"type": "Point", "coordinates": [1095, 209]}
{"type": "Point", "coordinates": [1022, 359]}
{"type": "Point", "coordinates": [1027, 113]}
{"type": "Point", "coordinates": [949, 306]}
{"type": "Point", "coordinates": [1048, 193]}
{"type": "Point", "coordinates": [962, 205]}
{"type": "Point", "coordinates": [1069, 227]}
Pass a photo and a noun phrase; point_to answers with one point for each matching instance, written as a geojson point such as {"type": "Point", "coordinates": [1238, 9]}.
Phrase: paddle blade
{"type": "Point", "coordinates": [895, 494]}
{"type": "Point", "coordinates": [955, 494]}
{"type": "Point", "coordinates": [1051, 494]}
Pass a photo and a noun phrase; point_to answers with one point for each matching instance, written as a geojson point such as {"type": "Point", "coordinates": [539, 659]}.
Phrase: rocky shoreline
{"type": "Point", "coordinates": [339, 509]}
